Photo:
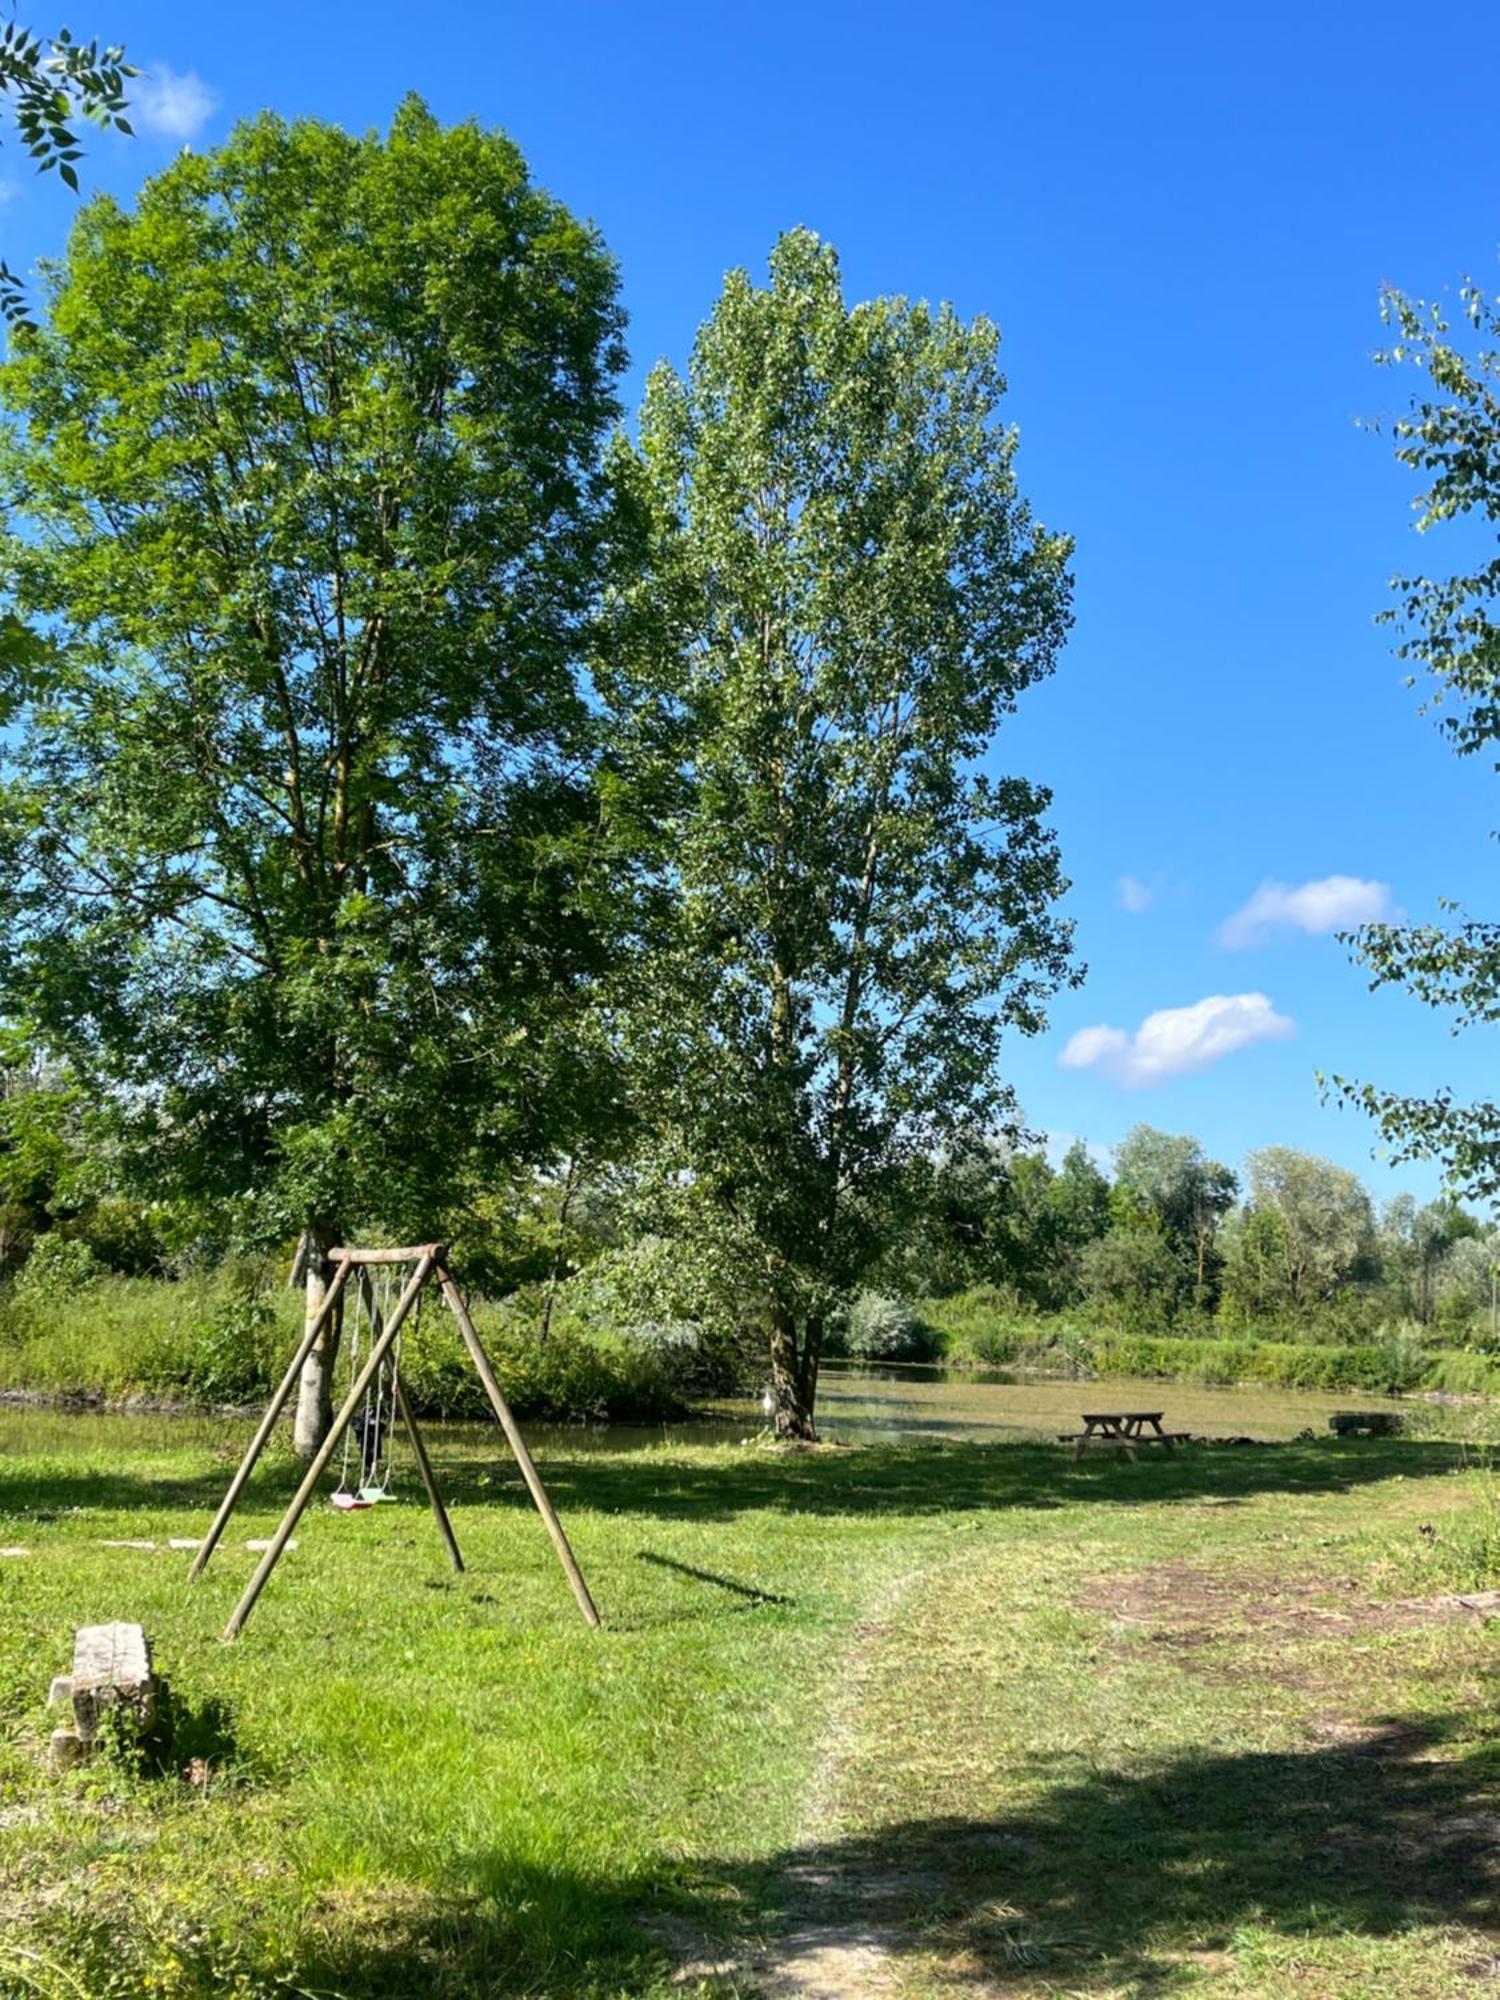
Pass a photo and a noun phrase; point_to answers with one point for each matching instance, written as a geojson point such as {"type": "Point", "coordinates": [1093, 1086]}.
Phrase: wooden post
{"type": "Point", "coordinates": [268, 1421]}
{"type": "Point", "coordinates": [419, 1450]}
{"type": "Point", "coordinates": [518, 1445]}
{"type": "Point", "coordinates": [379, 1348]}
{"type": "Point", "coordinates": [440, 1512]}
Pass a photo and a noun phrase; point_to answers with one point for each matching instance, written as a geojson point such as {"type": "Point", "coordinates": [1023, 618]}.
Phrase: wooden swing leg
{"type": "Point", "coordinates": [424, 1464]}
{"type": "Point", "coordinates": [379, 1349]}
{"type": "Point", "coordinates": [518, 1445]}
{"type": "Point", "coordinates": [268, 1422]}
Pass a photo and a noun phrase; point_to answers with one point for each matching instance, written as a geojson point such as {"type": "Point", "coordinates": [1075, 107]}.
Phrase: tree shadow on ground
{"type": "Point", "coordinates": [1110, 1881]}
{"type": "Point", "coordinates": [1136, 1878]}
{"type": "Point", "coordinates": [936, 1478]}
{"type": "Point", "coordinates": [916, 1479]}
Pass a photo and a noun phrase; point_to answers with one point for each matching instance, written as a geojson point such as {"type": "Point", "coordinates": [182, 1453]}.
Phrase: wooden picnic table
{"type": "Point", "coordinates": [1121, 1430]}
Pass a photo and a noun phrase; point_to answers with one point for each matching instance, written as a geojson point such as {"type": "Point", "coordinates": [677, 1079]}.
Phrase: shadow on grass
{"type": "Point", "coordinates": [936, 1478]}
{"type": "Point", "coordinates": [696, 1575]}
{"type": "Point", "coordinates": [916, 1479]}
{"type": "Point", "coordinates": [1109, 1882]}
{"type": "Point", "coordinates": [1137, 1879]}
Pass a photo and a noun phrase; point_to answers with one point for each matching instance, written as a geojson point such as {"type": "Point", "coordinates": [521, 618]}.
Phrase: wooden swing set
{"type": "Point", "coordinates": [379, 1370]}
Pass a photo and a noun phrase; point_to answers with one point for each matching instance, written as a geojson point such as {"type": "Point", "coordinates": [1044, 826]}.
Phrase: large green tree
{"type": "Point", "coordinates": [1450, 437]}
{"type": "Point", "coordinates": [302, 832]}
{"type": "Point", "coordinates": [845, 595]}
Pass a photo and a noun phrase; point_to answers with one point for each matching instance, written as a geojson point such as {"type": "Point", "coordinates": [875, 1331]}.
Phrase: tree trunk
{"type": "Point", "coordinates": [315, 1391]}
{"type": "Point", "coordinates": [793, 1386]}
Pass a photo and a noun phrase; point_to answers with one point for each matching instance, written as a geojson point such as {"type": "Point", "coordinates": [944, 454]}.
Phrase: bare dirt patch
{"type": "Point", "coordinates": [1185, 1605]}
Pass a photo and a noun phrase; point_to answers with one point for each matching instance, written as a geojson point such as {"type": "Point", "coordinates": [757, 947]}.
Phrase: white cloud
{"type": "Point", "coordinates": [1132, 894]}
{"type": "Point", "coordinates": [1336, 903]}
{"type": "Point", "coordinates": [1178, 1040]}
{"type": "Point", "coordinates": [169, 105]}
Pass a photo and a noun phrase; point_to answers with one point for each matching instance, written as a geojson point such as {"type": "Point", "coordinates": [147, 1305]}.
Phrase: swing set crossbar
{"type": "Point", "coordinates": [345, 1255]}
{"type": "Point", "coordinates": [430, 1261]}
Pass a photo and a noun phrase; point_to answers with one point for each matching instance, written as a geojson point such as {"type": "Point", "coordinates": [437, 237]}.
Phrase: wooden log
{"type": "Point", "coordinates": [517, 1444]}
{"type": "Point", "coordinates": [112, 1670]}
{"type": "Point", "coordinates": [429, 1479]}
{"type": "Point", "coordinates": [267, 1423]}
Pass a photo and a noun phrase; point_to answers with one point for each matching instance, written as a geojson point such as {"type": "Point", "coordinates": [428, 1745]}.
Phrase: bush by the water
{"type": "Point", "coordinates": [224, 1338]}
{"type": "Point", "coordinates": [873, 1327]}
{"type": "Point", "coordinates": [984, 1328]}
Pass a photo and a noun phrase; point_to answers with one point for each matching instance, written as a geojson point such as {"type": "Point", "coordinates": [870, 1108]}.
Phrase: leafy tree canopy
{"type": "Point", "coordinates": [297, 809]}
{"type": "Point", "coordinates": [1451, 625]}
{"type": "Point", "coordinates": [845, 596]}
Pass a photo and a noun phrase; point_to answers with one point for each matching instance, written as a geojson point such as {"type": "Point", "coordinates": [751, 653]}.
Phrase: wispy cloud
{"type": "Point", "coordinates": [1336, 903]}
{"type": "Point", "coordinates": [170, 105]}
{"type": "Point", "coordinates": [1133, 895]}
{"type": "Point", "coordinates": [1178, 1040]}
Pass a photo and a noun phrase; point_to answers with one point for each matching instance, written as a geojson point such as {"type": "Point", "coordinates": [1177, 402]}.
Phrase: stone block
{"type": "Point", "coordinates": [112, 1670]}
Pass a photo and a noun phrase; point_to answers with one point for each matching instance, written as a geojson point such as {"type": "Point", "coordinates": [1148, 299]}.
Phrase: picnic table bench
{"type": "Point", "coordinates": [1121, 1430]}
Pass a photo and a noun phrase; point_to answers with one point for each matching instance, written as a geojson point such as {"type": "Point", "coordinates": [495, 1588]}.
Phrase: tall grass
{"type": "Point", "coordinates": [224, 1339]}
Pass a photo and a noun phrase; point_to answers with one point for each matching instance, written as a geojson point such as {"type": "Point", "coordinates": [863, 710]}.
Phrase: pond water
{"type": "Point", "coordinates": [856, 1405]}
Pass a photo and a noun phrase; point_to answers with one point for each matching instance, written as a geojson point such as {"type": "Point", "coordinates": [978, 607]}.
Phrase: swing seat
{"type": "Point", "coordinates": [368, 1495]}
{"type": "Point", "coordinates": [348, 1502]}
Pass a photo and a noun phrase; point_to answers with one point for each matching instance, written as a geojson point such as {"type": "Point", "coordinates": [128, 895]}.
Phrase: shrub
{"type": "Point", "coordinates": [234, 1358]}
{"type": "Point", "coordinates": [873, 1327]}
{"type": "Point", "coordinates": [59, 1267]}
{"type": "Point", "coordinates": [1403, 1355]}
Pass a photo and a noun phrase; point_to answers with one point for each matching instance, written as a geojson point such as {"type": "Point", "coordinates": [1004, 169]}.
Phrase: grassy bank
{"type": "Point", "coordinates": [979, 1713]}
{"type": "Point", "coordinates": [973, 1330]}
{"type": "Point", "coordinates": [224, 1338]}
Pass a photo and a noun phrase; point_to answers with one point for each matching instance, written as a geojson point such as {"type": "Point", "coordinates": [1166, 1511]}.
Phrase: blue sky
{"type": "Point", "coordinates": [1181, 218]}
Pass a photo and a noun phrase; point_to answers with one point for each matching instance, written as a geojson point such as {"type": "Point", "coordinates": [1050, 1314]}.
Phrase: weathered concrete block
{"type": "Point", "coordinates": [61, 1690]}
{"type": "Point", "coordinates": [112, 1670]}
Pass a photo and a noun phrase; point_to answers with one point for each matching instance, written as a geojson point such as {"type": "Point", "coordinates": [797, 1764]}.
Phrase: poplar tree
{"type": "Point", "coordinates": [844, 595]}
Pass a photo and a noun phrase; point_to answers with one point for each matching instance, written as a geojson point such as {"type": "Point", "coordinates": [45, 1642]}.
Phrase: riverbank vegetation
{"type": "Point", "coordinates": [603, 1300]}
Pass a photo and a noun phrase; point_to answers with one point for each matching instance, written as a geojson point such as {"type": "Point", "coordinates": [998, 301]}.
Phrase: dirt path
{"type": "Point", "coordinates": [844, 1933]}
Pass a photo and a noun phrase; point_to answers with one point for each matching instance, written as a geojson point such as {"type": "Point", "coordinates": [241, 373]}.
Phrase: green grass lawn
{"type": "Point", "coordinates": [933, 1719]}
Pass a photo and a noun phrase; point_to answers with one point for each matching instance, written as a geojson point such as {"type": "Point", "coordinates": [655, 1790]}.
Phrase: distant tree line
{"type": "Point", "coordinates": [1172, 1239]}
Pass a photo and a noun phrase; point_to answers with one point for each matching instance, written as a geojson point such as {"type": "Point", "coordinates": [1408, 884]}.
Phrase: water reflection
{"type": "Point", "coordinates": [889, 1404]}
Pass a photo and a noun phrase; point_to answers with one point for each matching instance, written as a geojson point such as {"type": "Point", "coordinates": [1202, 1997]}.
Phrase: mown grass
{"type": "Point", "coordinates": [410, 1783]}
